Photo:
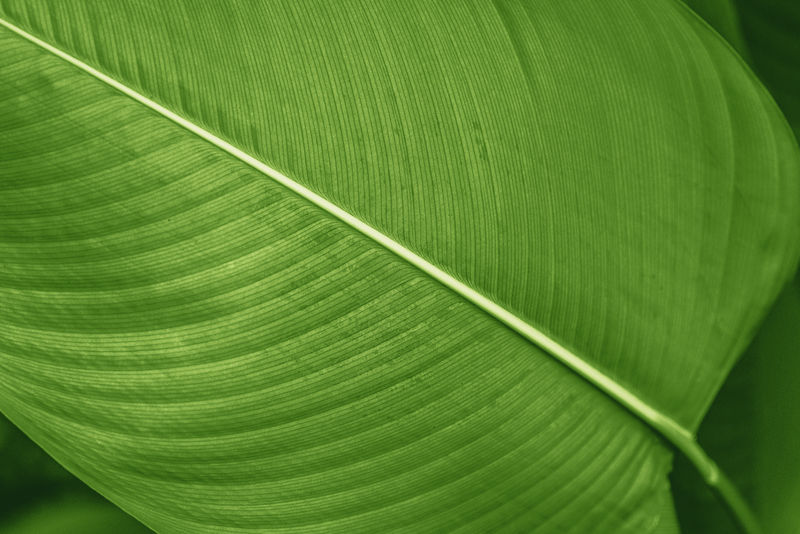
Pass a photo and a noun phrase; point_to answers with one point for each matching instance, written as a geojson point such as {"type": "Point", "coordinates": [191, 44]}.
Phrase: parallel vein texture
{"type": "Point", "coordinates": [246, 362]}
{"type": "Point", "coordinates": [226, 357]}
{"type": "Point", "coordinates": [659, 421]}
{"type": "Point", "coordinates": [480, 136]}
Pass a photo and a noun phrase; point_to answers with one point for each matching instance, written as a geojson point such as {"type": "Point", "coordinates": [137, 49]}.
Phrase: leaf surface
{"type": "Point", "coordinates": [215, 354]}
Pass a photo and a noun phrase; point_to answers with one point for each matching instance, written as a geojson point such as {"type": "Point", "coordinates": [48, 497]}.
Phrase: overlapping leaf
{"type": "Point", "coordinates": [771, 29]}
{"type": "Point", "coordinates": [753, 427]}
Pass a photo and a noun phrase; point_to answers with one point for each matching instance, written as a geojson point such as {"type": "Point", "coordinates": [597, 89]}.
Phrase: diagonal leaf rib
{"type": "Point", "coordinates": [676, 434]}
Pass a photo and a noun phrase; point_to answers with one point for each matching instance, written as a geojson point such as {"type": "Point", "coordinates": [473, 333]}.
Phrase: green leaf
{"type": "Point", "coordinates": [215, 353]}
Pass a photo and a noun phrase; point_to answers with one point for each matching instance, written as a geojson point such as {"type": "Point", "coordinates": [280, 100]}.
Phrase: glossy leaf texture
{"type": "Point", "coordinates": [214, 354]}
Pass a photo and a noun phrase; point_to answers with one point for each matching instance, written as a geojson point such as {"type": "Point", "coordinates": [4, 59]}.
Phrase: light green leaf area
{"type": "Point", "coordinates": [215, 354]}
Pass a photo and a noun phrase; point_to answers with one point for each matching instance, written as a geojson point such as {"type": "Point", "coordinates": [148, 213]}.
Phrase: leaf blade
{"type": "Point", "coordinates": [202, 423]}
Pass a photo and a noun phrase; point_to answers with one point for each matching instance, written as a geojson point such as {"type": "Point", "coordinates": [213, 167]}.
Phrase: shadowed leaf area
{"type": "Point", "coordinates": [214, 353]}
{"type": "Point", "coordinates": [753, 426]}
{"type": "Point", "coordinates": [753, 430]}
{"type": "Point", "coordinates": [38, 496]}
